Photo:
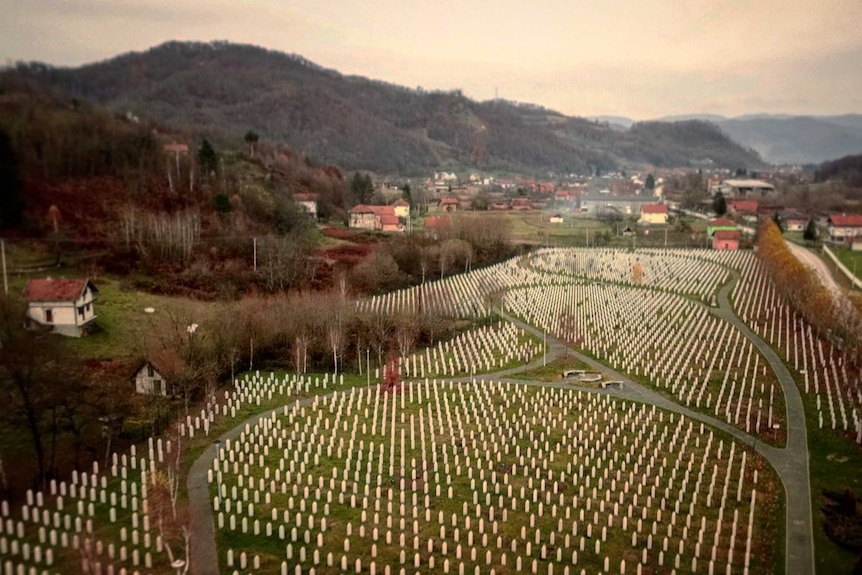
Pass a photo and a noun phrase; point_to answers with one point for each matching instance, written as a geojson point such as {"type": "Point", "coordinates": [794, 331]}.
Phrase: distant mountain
{"type": "Point", "coordinates": [223, 90]}
{"type": "Point", "coordinates": [714, 118]}
{"type": "Point", "coordinates": [788, 138]}
{"type": "Point", "coordinates": [798, 139]}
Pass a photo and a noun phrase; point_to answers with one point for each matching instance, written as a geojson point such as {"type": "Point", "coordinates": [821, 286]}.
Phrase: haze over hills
{"type": "Point", "coordinates": [223, 90]}
{"type": "Point", "coordinates": [781, 138]}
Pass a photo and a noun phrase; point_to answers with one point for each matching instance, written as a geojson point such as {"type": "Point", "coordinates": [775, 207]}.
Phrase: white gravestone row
{"type": "Point", "coordinates": [678, 345]}
{"type": "Point", "coordinates": [450, 477]}
{"type": "Point", "coordinates": [679, 271]}
{"type": "Point", "coordinates": [101, 522]}
{"type": "Point", "coordinates": [829, 373]}
{"type": "Point", "coordinates": [482, 350]}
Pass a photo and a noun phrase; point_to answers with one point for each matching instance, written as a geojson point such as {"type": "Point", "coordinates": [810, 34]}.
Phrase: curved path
{"type": "Point", "coordinates": [790, 463]}
{"type": "Point", "coordinates": [815, 263]}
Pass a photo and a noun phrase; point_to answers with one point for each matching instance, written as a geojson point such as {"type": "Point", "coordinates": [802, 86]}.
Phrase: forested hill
{"type": "Point", "coordinates": [224, 90]}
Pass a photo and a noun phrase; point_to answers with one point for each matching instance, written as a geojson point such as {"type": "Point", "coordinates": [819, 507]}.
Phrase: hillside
{"type": "Point", "coordinates": [223, 90]}
{"type": "Point", "coordinates": [798, 139]}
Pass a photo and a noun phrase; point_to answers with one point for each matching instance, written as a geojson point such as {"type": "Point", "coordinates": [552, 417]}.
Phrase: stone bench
{"type": "Point", "coordinates": [616, 384]}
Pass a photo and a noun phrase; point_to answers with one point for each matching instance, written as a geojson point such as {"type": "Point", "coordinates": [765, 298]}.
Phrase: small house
{"type": "Point", "coordinates": [449, 204]}
{"type": "Point", "coordinates": [149, 380]}
{"type": "Point", "coordinates": [742, 207]}
{"type": "Point", "coordinates": [725, 240]}
{"type": "Point", "coordinates": [718, 225]}
{"type": "Point", "coordinates": [402, 208]}
{"type": "Point", "coordinates": [653, 214]}
{"type": "Point", "coordinates": [521, 204]}
{"type": "Point", "coordinates": [556, 219]}
{"type": "Point", "coordinates": [65, 306]}
{"type": "Point", "coordinates": [843, 228]}
{"type": "Point", "coordinates": [307, 203]}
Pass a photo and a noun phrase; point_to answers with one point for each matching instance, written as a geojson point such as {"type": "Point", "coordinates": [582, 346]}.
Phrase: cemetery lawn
{"type": "Point", "coordinates": [554, 371]}
{"type": "Point", "coordinates": [835, 463]}
{"type": "Point", "coordinates": [553, 405]}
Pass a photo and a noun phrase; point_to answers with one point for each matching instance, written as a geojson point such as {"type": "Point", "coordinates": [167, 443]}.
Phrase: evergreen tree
{"type": "Point", "coordinates": [207, 157]}
{"type": "Point", "coordinates": [650, 182]}
{"type": "Point", "coordinates": [719, 204]}
{"type": "Point", "coordinates": [11, 187]}
{"type": "Point", "coordinates": [810, 233]}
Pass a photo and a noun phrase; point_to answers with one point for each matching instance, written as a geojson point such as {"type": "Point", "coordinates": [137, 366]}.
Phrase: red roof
{"type": "Point", "coordinates": [726, 235]}
{"type": "Point", "coordinates": [56, 290]}
{"type": "Point", "coordinates": [449, 201]}
{"type": "Point", "coordinates": [176, 148]}
{"type": "Point", "coordinates": [654, 208]}
{"type": "Point", "coordinates": [387, 220]}
{"type": "Point", "coordinates": [305, 197]}
{"type": "Point", "coordinates": [720, 222]}
{"type": "Point", "coordinates": [438, 222]}
{"type": "Point", "coordinates": [520, 202]}
{"type": "Point", "coordinates": [845, 221]}
{"type": "Point", "coordinates": [377, 210]}
{"type": "Point", "coordinates": [400, 203]}
{"type": "Point", "coordinates": [747, 206]}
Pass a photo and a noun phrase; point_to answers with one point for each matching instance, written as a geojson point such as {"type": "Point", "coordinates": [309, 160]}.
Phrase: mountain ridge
{"type": "Point", "coordinates": [224, 90]}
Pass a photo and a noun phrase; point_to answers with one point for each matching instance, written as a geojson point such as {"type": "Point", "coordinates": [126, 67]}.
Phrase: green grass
{"type": "Point", "coordinates": [768, 533]}
{"type": "Point", "coordinates": [851, 259]}
{"type": "Point", "coordinates": [553, 370]}
{"type": "Point", "coordinates": [834, 464]}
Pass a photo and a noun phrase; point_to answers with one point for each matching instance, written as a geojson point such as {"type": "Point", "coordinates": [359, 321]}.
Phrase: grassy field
{"type": "Point", "coordinates": [532, 227]}
{"type": "Point", "coordinates": [834, 464]}
{"type": "Point", "coordinates": [851, 259]}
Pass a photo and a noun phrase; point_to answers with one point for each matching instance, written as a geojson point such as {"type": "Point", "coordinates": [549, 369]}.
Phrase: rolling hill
{"type": "Point", "coordinates": [222, 90]}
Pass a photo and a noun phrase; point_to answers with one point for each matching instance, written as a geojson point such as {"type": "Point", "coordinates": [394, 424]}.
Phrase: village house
{"type": "Point", "coordinates": [521, 204]}
{"type": "Point", "coordinates": [149, 380]}
{"type": "Point", "coordinates": [402, 208]}
{"type": "Point", "coordinates": [720, 225]}
{"type": "Point", "coordinates": [742, 207]}
{"type": "Point", "coordinates": [725, 240]}
{"type": "Point", "coordinates": [308, 203]}
{"type": "Point", "coordinates": [556, 219]}
{"type": "Point", "coordinates": [653, 214]}
{"type": "Point", "coordinates": [842, 228]}
{"type": "Point", "coordinates": [380, 218]}
{"type": "Point", "coordinates": [793, 221]}
{"type": "Point", "coordinates": [63, 305]}
{"type": "Point", "coordinates": [449, 204]}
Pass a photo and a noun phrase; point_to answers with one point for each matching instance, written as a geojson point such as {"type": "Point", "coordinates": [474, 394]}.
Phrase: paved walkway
{"type": "Point", "coordinates": [815, 263]}
{"type": "Point", "coordinates": [791, 463]}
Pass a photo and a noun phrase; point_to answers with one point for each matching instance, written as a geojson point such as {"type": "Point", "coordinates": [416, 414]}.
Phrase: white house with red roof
{"type": "Point", "coordinates": [653, 214]}
{"type": "Point", "coordinates": [63, 305]}
{"type": "Point", "coordinates": [381, 218]}
{"type": "Point", "coordinates": [843, 227]}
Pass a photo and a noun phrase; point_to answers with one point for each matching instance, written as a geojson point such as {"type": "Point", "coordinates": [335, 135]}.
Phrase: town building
{"type": "Point", "coordinates": [747, 189]}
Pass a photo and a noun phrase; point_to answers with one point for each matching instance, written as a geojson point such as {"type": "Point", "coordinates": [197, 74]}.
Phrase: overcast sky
{"type": "Point", "coordinates": [635, 58]}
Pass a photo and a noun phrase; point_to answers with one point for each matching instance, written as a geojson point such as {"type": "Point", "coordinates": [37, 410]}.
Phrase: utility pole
{"type": "Point", "coordinates": [3, 257]}
{"type": "Point", "coordinates": [255, 253]}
